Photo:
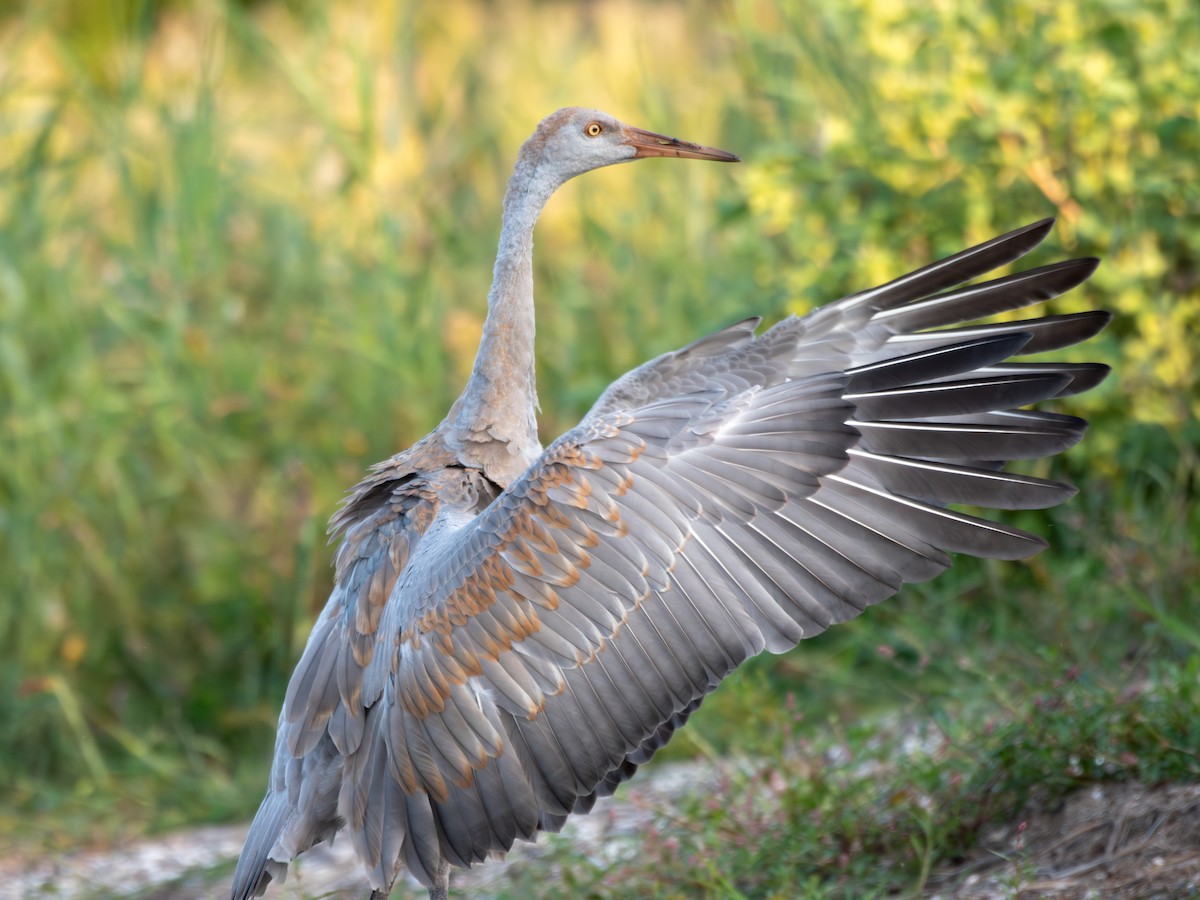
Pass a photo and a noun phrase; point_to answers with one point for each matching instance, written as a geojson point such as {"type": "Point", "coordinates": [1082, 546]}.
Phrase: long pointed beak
{"type": "Point", "coordinates": [647, 144]}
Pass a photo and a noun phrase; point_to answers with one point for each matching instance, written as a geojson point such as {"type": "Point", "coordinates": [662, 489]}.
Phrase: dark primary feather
{"type": "Point", "coordinates": [492, 661]}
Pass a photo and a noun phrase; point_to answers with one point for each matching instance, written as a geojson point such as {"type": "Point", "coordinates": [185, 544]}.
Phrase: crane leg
{"type": "Point", "coordinates": [441, 882]}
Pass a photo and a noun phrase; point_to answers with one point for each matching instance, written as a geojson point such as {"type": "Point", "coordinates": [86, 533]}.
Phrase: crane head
{"type": "Point", "coordinates": [575, 140]}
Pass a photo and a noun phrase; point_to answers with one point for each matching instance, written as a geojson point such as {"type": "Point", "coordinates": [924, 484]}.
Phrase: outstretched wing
{"type": "Point", "coordinates": [739, 495]}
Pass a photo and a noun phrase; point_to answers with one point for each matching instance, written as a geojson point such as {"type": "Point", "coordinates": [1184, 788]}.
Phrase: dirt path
{"type": "Point", "coordinates": [1107, 841]}
{"type": "Point", "coordinates": [196, 863]}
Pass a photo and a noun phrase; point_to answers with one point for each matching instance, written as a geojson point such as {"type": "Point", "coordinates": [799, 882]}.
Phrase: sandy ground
{"type": "Point", "coordinates": [1107, 841]}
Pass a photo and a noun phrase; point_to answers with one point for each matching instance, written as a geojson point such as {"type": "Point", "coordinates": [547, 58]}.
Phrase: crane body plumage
{"type": "Point", "coordinates": [514, 630]}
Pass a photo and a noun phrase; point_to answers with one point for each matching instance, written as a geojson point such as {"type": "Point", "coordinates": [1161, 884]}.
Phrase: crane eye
{"type": "Point", "coordinates": [593, 129]}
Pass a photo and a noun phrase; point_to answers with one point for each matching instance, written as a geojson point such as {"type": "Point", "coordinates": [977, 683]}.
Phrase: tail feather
{"type": "Point", "coordinates": [255, 868]}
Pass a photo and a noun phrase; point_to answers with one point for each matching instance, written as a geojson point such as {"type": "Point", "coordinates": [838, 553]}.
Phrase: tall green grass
{"type": "Point", "coordinates": [244, 253]}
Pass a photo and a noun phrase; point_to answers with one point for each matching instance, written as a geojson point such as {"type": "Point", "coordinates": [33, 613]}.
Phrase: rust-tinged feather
{"type": "Point", "coordinates": [555, 516]}
{"type": "Point", "coordinates": [367, 614]}
{"type": "Point", "coordinates": [622, 529]}
{"type": "Point", "coordinates": [522, 558]}
{"type": "Point", "coordinates": [570, 579]}
{"type": "Point", "coordinates": [363, 649]}
{"type": "Point", "coordinates": [538, 538]}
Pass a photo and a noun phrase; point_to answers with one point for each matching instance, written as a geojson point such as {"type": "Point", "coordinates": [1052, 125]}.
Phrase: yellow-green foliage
{"type": "Point", "coordinates": [244, 250]}
{"type": "Point", "coordinates": [931, 123]}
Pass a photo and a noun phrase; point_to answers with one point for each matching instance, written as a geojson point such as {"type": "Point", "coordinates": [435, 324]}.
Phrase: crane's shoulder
{"type": "Point", "coordinates": [394, 482]}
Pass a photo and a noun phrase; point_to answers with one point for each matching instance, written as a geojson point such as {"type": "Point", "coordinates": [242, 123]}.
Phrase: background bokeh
{"type": "Point", "coordinates": [244, 253]}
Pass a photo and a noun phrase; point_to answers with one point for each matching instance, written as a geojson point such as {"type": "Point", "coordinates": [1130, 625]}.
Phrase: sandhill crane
{"type": "Point", "coordinates": [514, 630]}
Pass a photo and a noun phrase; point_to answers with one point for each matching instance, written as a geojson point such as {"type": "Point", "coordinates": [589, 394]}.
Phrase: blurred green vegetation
{"type": "Point", "coordinates": [244, 251]}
